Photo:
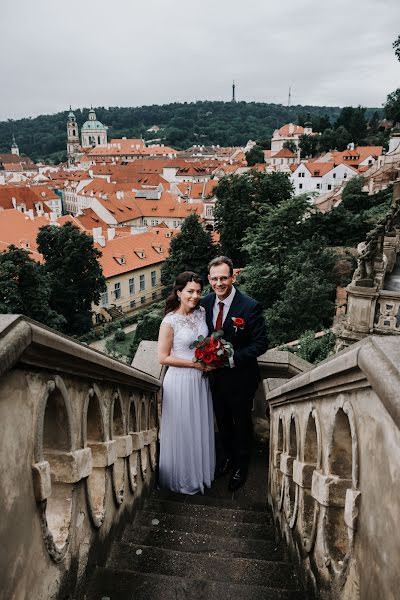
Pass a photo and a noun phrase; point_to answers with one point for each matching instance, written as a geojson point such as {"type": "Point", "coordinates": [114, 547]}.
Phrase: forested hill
{"type": "Point", "coordinates": [183, 124]}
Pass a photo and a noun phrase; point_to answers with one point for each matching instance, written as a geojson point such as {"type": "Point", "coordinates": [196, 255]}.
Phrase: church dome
{"type": "Point", "coordinates": [92, 123]}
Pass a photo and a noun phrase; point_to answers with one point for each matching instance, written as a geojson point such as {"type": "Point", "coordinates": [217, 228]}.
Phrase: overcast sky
{"type": "Point", "coordinates": [136, 52]}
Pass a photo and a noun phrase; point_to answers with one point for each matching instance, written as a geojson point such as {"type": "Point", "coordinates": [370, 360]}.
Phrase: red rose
{"type": "Point", "coordinates": [207, 358]}
{"type": "Point", "coordinates": [209, 347]}
{"type": "Point", "coordinates": [215, 342]}
{"type": "Point", "coordinates": [238, 321]}
{"type": "Point", "coordinates": [199, 354]}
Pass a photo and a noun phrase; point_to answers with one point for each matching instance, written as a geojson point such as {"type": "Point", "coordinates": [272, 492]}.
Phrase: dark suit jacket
{"type": "Point", "coordinates": [248, 343]}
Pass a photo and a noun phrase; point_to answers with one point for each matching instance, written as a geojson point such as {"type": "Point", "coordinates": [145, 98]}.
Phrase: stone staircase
{"type": "Point", "coordinates": [219, 545]}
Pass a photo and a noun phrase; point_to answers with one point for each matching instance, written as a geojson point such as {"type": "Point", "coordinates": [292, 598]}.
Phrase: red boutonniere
{"type": "Point", "coordinates": [238, 323]}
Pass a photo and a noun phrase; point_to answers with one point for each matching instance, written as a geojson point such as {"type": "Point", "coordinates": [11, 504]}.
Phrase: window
{"type": "Point", "coordinates": [344, 175]}
{"type": "Point", "coordinates": [329, 186]}
{"type": "Point", "coordinates": [209, 211]}
{"type": "Point", "coordinates": [334, 175]}
{"type": "Point", "coordinates": [153, 279]}
{"type": "Point", "coordinates": [144, 221]}
{"type": "Point", "coordinates": [104, 298]}
{"type": "Point", "coordinates": [301, 174]}
{"type": "Point", "coordinates": [117, 290]}
{"type": "Point", "coordinates": [142, 286]}
{"type": "Point", "coordinates": [142, 299]}
{"type": "Point", "coordinates": [154, 296]}
{"type": "Point", "coordinates": [131, 286]}
{"type": "Point", "coordinates": [132, 303]}
{"type": "Point", "coordinates": [318, 186]}
{"type": "Point", "coordinates": [300, 186]}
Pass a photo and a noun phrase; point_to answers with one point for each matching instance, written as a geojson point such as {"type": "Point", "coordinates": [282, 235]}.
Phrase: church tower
{"type": "Point", "coordinates": [14, 147]}
{"type": "Point", "coordinates": [72, 138]}
{"type": "Point", "coordinates": [93, 132]}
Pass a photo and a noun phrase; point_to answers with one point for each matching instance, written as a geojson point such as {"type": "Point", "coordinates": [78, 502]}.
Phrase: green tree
{"type": "Point", "coordinates": [327, 140]}
{"type": "Point", "coordinates": [307, 296]}
{"type": "Point", "coordinates": [342, 138]}
{"type": "Point", "coordinates": [308, 145]}
{"type": "Point", "coordinates": [392, 106]}
{"type": "Point", "coordinates": [190, 250]}
{"type": "Point", "coordinates": [148, 326]}
{"type": "Point", "coordinates": [396, 46]}
{"type": "Point", "coordinates": [75, 275]}
{"type": "Point", "coordinates": [25, 288]}
{"type": "Point", "coordinates": [354, 121]}
{"type": "Point", "coordinates": [290, 145]}
{"type": "Point", "coordinates": [353, 197]}
{"type": "Point", "coordinates": [255, 156]}
{"type": "Point", "coordinates": [241, 200]}
{"type": "Point", "coordinates": [269, 244]}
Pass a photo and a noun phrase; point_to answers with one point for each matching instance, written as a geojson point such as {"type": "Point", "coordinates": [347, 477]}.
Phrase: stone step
{"type": "Point", "coordinates": [214, 498]}
{"type": "Point", "coordinates": [223, 528]}
{"type": "Point", "coordinates": [147, 559]}
{"type": "Point", "coordinates": [200, 543]}
{"type": "Point", "coordinates": [114, 584]}
{"type": "Point", "coordinates": [202, 511]}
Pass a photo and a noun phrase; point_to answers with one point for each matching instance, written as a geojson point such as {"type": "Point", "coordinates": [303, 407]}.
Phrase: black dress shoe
{"type": "Point", "coordinates": [237, 480]}
{"type": "Point", "coordinates": [223, 468]}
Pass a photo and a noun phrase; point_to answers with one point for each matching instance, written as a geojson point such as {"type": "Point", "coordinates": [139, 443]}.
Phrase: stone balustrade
{"type": "Point", "coordinates": [334, 477]}
{"type": "Point", "coordinates": [78, 437]}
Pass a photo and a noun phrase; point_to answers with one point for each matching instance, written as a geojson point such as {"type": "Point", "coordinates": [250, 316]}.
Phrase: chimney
{"type": "Point", "coordinates": [14, 202]}
{"type": "Point", "coordinates": [119, 194]}
{"type": "Point", "coordinates": [291, 128]}
{"type": "Point", "coordinates": [53, 218]}
{"type": "Point", "coordinates": [111, 233]}
{"type": "Point", "coordinates": [30, 214]}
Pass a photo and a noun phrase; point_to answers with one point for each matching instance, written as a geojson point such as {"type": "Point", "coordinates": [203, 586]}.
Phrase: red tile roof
{"type": "Point", "coordinates": [154, 244]}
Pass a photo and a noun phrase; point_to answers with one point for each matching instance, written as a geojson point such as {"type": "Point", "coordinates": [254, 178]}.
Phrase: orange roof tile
{"type": "Point", "coordinates": [129, 246]}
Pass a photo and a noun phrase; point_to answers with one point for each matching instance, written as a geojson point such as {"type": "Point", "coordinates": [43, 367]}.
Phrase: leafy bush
{"type": "Point", "coordinates": [119, 335]}
{"type": "Point", "coordinates": [312, 349]}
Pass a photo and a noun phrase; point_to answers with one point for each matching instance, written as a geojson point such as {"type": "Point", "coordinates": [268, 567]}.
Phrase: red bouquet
{"type": "Point", "coordinates": [212, 350]}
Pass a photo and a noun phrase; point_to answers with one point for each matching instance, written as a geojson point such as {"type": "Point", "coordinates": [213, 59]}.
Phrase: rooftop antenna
{"type": "Point", "coordinates": [233, 91]}
{"type": "Point", "coordinates": [289, 102]}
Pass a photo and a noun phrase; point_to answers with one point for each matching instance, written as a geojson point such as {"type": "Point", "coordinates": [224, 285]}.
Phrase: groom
{"type": "Point", "coordinates": [242, 322]}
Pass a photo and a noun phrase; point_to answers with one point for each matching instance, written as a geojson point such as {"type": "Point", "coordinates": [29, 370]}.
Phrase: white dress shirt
{"type": "Point", "coordinates": [227, 304]}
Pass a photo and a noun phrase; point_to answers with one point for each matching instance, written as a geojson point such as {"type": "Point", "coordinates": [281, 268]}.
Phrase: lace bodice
{"type": "Point", "coordinates": [186, 330]}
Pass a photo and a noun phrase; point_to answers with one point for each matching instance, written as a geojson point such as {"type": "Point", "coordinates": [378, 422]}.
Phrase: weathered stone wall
{"type": "Point", "coordinates": [78, 435]}
{"type": "Point", "coordinates": [335, 471]}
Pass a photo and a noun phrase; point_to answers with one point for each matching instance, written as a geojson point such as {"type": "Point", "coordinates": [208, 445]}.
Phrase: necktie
{"type": "Point", "coordinates": [218, 323]}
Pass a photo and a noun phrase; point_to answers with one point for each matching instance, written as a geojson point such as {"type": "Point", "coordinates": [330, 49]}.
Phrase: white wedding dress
{"type": "Point", "coordinates": [187, 450]}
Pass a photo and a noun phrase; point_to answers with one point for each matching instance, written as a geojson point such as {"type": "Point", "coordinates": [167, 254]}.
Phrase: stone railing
{"type": "Point", "coordinates": [334, 477]}
{"type": "Point", "coordinates": [78, 438]}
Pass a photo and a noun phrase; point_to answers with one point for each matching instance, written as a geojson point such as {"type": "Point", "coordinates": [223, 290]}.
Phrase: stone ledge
{"type": "Point", "coordinates": [286, 464]}
{"type": "Point", "coordinates": [41, 480]}
{"type": "Point", "coordinates": [123, 446]}
{"type": "Point", "coordinates": [70, 467]}
{"type": "Point", "coordinates": [329, 490]}
{"type": "Point", "coordinates": [27, 342]}
{"type": "Point", "coordinates": [103, 453]}
{"type": "Point", "coordinates": [137, 440]}
{"type": "Point", "coordinates": [150, 436]}
{"type": "Point", "coordinates": [303, 474]}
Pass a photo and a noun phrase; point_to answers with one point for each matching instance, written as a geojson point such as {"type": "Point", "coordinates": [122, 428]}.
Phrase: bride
{"type": "Point", "coordinates": [187, 452]}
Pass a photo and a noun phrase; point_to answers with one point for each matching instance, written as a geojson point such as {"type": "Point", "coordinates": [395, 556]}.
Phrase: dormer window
{"type": "Point", "coordinates": [120, 258]}
{"type": "Point", "coordinates": [316, 173]}
{"type": "Point", "coordinates": [158, 248]}
{"type": "Point", "coordinates": [140, 252]}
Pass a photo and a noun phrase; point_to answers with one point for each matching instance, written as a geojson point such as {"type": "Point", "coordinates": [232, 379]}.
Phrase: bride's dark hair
{"type": "Point", "coordinates": [172, 301]}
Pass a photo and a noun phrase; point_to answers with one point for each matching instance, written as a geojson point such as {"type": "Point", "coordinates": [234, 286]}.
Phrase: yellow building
{"type": "Point", "coordinates": [131, 264]}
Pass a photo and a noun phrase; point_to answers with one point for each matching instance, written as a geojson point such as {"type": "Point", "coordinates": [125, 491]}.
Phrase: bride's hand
{"type": "Point", "coordinates": [200, 367]}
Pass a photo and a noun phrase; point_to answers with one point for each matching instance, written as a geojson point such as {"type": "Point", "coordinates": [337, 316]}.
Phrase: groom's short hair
{"type": "Point", "coordinates": [221, 260]}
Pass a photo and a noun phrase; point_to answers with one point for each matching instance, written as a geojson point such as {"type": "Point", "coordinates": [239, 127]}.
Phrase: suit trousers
{"type": "Point", "coordinates": [232, 408]}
